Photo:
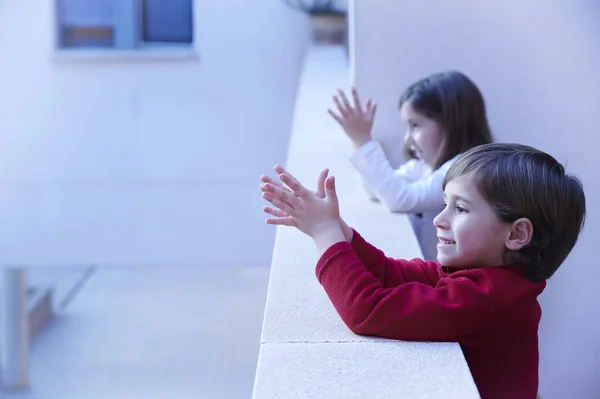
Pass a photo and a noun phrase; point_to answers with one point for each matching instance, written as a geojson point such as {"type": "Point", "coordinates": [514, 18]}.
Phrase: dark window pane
{"type": "Point", "coordinates": [167, 21]}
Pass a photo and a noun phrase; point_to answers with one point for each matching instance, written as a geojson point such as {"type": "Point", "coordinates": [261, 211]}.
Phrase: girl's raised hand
{"type": "Point", "coordinates": [356, 121]}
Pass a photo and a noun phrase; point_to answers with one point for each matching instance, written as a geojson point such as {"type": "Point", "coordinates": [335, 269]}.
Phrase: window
{"type": "Point", "coordinates": [124, 24]}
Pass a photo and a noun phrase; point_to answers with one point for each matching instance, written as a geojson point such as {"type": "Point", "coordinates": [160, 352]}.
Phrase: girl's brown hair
{"type": "Point", "coordinates": [454, 101]}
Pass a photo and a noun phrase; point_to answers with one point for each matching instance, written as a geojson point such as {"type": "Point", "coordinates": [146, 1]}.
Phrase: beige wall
{"type": "Point", "coordinates": [126, 161]}
{"type": "Point", "coordinates": [537, 63]}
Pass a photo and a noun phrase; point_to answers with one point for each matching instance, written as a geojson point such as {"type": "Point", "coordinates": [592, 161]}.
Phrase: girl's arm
{"type": "Point", "coordinates": [397, 191]}
{"type": "Point", "coordinates": [412, 170]}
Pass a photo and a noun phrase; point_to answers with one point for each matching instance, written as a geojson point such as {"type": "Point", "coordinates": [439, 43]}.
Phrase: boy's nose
{"type": "Point", "coordinates": [440, 222]}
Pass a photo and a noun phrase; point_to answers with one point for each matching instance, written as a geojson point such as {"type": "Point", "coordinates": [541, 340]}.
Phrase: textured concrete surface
{"type": "Point", "coordinates": [355, 370]}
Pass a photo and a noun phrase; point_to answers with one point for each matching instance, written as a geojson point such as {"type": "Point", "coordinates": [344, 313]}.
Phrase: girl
{"type": "Point", "coordinates": [445, 115]}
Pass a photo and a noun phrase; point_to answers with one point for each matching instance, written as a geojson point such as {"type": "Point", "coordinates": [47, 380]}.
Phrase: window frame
{"type": "Point", "coordinates": [133, 37]}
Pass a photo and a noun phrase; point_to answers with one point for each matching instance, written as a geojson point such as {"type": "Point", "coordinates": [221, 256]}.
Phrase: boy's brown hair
{"type": "Point", "coordinates": [454, 101]}
{"type": "Point", "coordinates": [519, 181]}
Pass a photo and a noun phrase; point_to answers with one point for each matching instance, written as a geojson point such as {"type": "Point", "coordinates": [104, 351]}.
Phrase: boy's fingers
{"type": "Point", "coordinates": [330, 188]}
{"type": "Point", "coordinates": [290, 181]}
{"type": "Point", "coordinates": [321, 183]}
{"type": "Point", "coordinates": [275, 212]}
{"type": "Point", "coordinates": [267, 179]}
{"type": "Point", "coordinates": [287, 221]}
{"type": "Point", "coordinates": [284, 206]}
{"type": "Point", "coordinates": [297, 188]}
{"type": "Point", "coordinates": [280, 193]}
{"type": "Point", "coordinates": [279, 169]}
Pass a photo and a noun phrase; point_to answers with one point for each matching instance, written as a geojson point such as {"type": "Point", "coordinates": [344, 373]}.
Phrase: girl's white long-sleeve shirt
{"type": "Point", "coordinates": [413, 188]}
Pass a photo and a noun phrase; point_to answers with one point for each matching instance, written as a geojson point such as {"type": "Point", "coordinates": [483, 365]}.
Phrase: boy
{"type": "Point", "coordinates": [512, 216]}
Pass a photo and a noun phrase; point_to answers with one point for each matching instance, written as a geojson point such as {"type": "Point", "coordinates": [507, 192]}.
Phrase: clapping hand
{"type": "Point", "coordinates": [314, 213]}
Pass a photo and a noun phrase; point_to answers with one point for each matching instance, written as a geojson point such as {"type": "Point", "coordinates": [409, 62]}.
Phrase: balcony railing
{"type": "Point", "coordinates": [306, 350]}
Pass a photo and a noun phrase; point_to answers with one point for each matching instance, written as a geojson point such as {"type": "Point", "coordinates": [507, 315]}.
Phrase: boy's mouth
{"type": "Point", "coordinates": [444, 241]}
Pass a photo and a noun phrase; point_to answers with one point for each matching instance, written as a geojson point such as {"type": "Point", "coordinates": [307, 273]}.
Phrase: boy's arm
{"type": "Point", "coordinates": [390, 272]}
{"type": "Point", "coordinates": [452, 310]}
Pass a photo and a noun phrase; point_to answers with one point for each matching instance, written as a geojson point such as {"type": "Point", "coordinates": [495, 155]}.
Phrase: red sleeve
{"type": "Point", "coordinates": [452, 310]}
{"type": "Point", "coordinates": [392, 272]}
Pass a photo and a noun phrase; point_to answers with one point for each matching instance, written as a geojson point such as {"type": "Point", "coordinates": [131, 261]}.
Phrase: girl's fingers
{"type": "Point", "coordinates": [356, 100]}
{"type": "Point", "coordinates": [343, 111]}
{"type": "Point", "coordinates": [345, 101]}
{"type": "Point", "coordinates": [336, 117]}
{"type": "Point", "coordinates": [373, 111]}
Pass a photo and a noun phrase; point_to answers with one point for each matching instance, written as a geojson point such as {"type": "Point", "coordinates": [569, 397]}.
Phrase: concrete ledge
{"type": "Point", "coordinates": [354, 370]}
{"type": "Point", "coordinates": [306, 350]}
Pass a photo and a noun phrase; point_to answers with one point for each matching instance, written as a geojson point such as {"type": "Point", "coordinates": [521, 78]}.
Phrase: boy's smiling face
{"type": "Point", "coordinates": [469, 232]}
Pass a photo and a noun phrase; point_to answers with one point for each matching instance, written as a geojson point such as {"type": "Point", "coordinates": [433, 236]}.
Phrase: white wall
{"type": "Point", "coordinates": [341, 4]}
{"type": "Point", "coordinates": [137, 162]}
{"type": "Point", "coordinates": [537, 63]}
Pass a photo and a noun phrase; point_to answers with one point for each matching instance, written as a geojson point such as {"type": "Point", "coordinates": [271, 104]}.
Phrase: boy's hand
{"type": "Point", "coordinates": [312, 215]}
{"type": "Point", "coordinates": [356, 122]}
{"type": "Point", "coordinates": [282, 218]}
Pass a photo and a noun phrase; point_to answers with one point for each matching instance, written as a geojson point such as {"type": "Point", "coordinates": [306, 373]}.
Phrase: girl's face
{"type": "Point", "coordinates": [424, 134]}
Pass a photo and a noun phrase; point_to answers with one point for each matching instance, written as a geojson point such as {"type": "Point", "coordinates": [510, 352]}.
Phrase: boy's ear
{"type": "Point", "coordinates": [521, 233]}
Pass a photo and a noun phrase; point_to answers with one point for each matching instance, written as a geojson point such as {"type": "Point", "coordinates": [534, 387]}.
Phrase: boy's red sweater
{"type": "Point", "coordinates": [493, 313]}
